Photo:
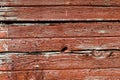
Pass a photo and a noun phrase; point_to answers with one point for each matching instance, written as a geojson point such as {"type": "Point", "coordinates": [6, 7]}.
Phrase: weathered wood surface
{"type": "Point", "coordinates": [64, 50]}
{"type": "Point", "coordinates": [60, 30]}
{"type": "Point", "coordinates": [83, 74]}
{"type": "Point", "coordinates": [60, 13]}
{"type": "Point", "coordinates": [77, 74]}
{"type": "Point", "coordinates": [57, 44]}
{"type": "Point", "coordinates": [59, 2]}
{"type": "Point", "coordinates": [21, 75]}
{"type": "Point", "coordinates": [61, 61]}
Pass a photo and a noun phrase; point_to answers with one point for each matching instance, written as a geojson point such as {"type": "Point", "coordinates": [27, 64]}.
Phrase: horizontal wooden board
{"type": "Point", "coordinates": [58, 44]}
{"type": "Point", "coordinates": [97, 74]}
{"type": "Point", "coordinates": [67, 30]}
{"type": "Point", "coordinates": [61, 61]}
{"type": "Point", "coordinates": [60, 30]}
{"type": "Point", "coordinates": [59, 13]}
{"type": "Point", "coordinates": [59, 2]}
{"type": "Point", "coordinates": [77, 74]}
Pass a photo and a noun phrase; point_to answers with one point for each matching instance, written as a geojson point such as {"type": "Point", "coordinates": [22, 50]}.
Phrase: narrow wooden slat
{"type": "Point", "coordinates": [59, 2]}
{"type": "Point", "coordinates": [64, 61]}
{"type": "Point", "coordinates": [77, 74]}
{"type": "Point", "coordinates": [65, 30]}
{"type": "Point", "coordinates": [57, 44]}
{"type": "Point", "coordinates": [61, 13]}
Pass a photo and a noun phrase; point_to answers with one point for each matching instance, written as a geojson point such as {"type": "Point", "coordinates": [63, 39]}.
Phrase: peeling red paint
{"type": "Point", "coordinates": [59, 40]}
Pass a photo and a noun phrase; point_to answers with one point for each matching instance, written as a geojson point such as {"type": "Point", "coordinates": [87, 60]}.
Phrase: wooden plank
{"type": "Point", "coordinates": [77, 74]}
{"type": "Point", "coordinates": [97, 74]}
{"type": "Point", "coordinates": [57, 44]}
{"type": "Point", "coordinates": [64, 30]}
{"type": "Point", "coordinates": [60, 13]}
{"type": "Point", "coordinates": [59, 2]}
{"type": "Point", "coordinates": [61, 61]}
{"type": "Point", "coordinates": [57, 30]}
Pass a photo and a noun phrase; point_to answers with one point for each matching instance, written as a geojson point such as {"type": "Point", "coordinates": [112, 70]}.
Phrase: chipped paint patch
{"type": "Point", "coordinates": [6, 57]}
{"type": "Point", "coordinates": [5, 46]}
{"type": "Point", "coordinates": [95, 78]}
{"type": "Point", "coordinates": [6, 2]}
{"type": "Point", "coordinates": [48, 54]}
{"type": "Point", "coordinates": [101, 31]}
{"type": "Point", "coordinates": [6, 9]}
{"type": "Point", "coordinates": [97, 19]}
{"type": "Point", "coordinates": [83, 46]}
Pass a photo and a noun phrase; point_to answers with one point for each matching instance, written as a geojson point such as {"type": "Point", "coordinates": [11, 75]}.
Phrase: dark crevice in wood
{"type": "Point", "coordinates": [64, 49]}
{"type": "Point", "coordinates": [60, 69]}
{"type": "Point", "coordinates": [59, 37]}
{"type": "Point", "coordinates": [60, 5]}
{"type": "Point", "coordinates": [58, 52]}
{"type": "Point", "coordinates": [56, 21]}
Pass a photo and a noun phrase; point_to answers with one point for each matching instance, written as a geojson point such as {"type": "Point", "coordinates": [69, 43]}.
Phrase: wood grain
{"type": "Point", "coordinates": [77, 74]}
{"type": "Point", "coordinates": [21, 75]}
{"type": "Point", "coordinates": [59, 2]}
{"type": "Point", "coordinates": [61, 61]}
{"type": "Point", "coordinates": [57, 44]}
{"type": "Point", "coordinates": [83, 74]}
{"type": "Point", "coordinates": [60, 30]}
{"type": "Point", "coordinates": [60, 13]}
{"type": "Point", "coordinates": [67, 30]}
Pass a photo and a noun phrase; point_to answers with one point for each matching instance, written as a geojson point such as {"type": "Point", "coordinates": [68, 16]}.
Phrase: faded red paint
{"type": "Point", "coordinates": [60, 2]}
{"type": "Point", "coordinates": [17, 62]}
{"type": "Point", "coordinates": [57, 30]}
{"type": "Point", "coordinates": [57, 44]}
{"type": "Point", "coordinates": [62, 13]}
{"type": "Point", "coordinates": [69, 30]}
{"type": "Point", "coordinates": [87, 50]}
{"type": "Point", "coordinates": [59, 66]}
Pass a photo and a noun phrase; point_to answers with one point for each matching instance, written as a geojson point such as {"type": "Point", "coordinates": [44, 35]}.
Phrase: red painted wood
{"type": "Point", "coordinates": [78, 74]}
{"type": "Point", "coordinates": [57, 44]}
{"type": "Point", "coordinates": [59, 2]}
{"type": "Point", "coordinates": [21, 75]}
{"type": "Point", "coordinates": [64, 30]}
{"type": "Point", "coordinates": [52, 30]}
{"type": "Point", "coordinates": [45, 39]}
{"type": "Point", "coordinates": [61, 13]}
{"type": "Point", "coordinates": [61, 61]}
{"type": "Point", "coordinates": [84, 74]}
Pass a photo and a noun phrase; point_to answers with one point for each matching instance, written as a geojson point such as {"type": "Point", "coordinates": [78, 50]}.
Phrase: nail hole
{"type": "Point", "coordinates": [64, 49]}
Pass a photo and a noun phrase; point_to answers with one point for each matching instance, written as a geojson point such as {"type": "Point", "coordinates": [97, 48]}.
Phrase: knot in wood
{"type": "Point", "coordinates": [101, 54]}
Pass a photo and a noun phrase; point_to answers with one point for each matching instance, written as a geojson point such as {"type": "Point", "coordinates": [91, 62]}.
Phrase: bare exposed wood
{"type": "Point", "coordinates": [59, 2]}
{"type": "Point", "coordinates": [60, 13]}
